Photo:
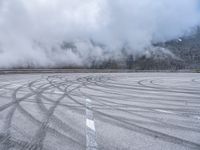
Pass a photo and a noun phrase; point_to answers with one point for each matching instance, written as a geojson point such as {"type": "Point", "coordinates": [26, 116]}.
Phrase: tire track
{"type": "Point", "coordinates": [42, 131]}
{"type": "Point", "coordinates": [121, 122]}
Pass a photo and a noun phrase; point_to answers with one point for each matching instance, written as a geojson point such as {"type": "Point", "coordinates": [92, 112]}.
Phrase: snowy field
{"type": "Point", "coordinates": [127, 111]}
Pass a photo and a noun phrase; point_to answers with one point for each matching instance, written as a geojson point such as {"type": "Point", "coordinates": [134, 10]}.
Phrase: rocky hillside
{"type": "Point", "coordinates": [187, 49]}
{"type": "Point", "coordinates": [182, 53]}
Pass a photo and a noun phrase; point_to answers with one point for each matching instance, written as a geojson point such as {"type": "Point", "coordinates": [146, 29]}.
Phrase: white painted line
{"type": "Point", "coordinates": [90, 127]}
{"type": "Point", "coordinates": [164, 111]}
{"type": "Point", "coordinates": [57, 92]}
{"type": "Point", "coordinates": [88, 100]}
{"type": "Point", "coordinates": [90, 124]}
{"type": "Point", "coordinates": [13, 85]}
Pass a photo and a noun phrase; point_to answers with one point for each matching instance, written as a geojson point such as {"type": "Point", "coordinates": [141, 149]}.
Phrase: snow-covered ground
{"type": "Point", "coordinates": [125, 111]}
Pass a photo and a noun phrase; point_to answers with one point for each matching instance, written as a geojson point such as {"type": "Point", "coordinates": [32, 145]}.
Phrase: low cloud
{"type": "Point", "coordinates": [42, 33]}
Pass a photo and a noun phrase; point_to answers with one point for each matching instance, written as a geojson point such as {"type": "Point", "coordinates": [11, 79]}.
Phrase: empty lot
{"type": "Point", "coordinates": [119, 111]}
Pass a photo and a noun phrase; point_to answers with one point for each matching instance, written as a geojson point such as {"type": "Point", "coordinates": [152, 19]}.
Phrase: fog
{"type": "Point", "coordinates": [56, 33]}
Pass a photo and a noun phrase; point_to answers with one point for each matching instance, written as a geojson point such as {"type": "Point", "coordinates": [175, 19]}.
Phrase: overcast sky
{"type": "Point", "coordinates": [31, 31]}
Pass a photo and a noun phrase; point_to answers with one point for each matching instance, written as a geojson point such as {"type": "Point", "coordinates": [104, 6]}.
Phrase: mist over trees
{"type": "Point", "coordinates": [181, 53]}
{"type": "Point", "coordinates": [96, 33]}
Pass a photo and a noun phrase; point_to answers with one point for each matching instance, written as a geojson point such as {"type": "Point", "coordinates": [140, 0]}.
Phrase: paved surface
{"type": "Point", "coordinates": [138, 111]}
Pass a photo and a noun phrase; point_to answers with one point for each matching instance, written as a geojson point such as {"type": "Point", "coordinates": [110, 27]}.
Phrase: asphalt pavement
{"type": "Point", "coordinates": [100, 111]}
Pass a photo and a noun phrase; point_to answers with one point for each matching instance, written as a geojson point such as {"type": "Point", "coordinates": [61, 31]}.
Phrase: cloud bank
{"type": "Point", "coordinates": [43, 33]}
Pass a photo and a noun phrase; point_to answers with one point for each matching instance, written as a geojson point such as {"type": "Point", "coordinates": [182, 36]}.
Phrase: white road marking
{"type": "Point", "coordinates": [88, 100]}
{"type": "Point", "coordinates": [14, 85]}
{"type": "Point", "coordinates": [90, 124]}
{"type": "Point", "coordinates": [57, 92]}
{"type": "Point", "coordinates": [164, 111]}
{"type": "Point", "coordinates": [90, 127]}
